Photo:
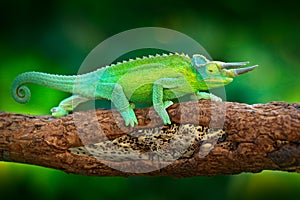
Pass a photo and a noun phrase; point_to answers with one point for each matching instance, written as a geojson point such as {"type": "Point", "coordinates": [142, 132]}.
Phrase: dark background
{"type": "Point", "coordinates": [55, 37]}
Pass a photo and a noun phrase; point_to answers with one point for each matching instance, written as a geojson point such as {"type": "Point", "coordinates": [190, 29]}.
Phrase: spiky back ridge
{"type": "Point", "coordinates": [138, 61]}
{"type": "Point", "coordinates": [152, 57]}
{"type": "Point", "coordinates": [112, 73]}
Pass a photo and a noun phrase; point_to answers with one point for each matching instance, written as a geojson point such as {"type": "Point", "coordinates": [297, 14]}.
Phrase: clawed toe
{"type": "Point", "coordinates": [58, 112]}
{"type": "Point", "coordinates": [129, 117]}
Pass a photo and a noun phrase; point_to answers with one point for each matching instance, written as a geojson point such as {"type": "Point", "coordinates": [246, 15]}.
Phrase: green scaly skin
{"type": "Point", "coordinates": [154, 80]}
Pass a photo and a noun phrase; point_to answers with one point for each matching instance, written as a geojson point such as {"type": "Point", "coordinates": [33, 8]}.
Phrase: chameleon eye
{"type": "Point", "coordinates": [212, 69]}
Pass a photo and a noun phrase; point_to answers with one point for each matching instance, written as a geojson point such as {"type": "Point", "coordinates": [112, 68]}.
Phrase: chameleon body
{"type": "Point", "coordinates": [154, 80]}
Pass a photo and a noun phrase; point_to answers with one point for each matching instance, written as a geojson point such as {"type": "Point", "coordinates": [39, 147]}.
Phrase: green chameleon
{"type": "Point", "coordinates": [153, 80]}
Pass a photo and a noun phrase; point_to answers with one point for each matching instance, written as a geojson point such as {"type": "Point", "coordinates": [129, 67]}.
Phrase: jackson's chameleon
{"type": "Point", "coordinates": [154, 80]}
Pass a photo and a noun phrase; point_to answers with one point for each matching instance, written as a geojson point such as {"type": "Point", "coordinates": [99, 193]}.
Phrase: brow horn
{"type": "Point", "coordinates": [233, 65]}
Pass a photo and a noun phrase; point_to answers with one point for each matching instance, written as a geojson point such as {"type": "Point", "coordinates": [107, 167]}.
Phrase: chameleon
{"type": "Point", "coordinates": [155, 80]}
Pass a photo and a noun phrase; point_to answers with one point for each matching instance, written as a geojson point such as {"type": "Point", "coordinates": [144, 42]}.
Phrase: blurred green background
{"type": "Point", "coordinates": [55, 37]}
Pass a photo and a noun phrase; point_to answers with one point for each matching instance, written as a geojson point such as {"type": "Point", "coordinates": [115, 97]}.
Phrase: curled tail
{"type": "Point", "coordinates": [21, 93]}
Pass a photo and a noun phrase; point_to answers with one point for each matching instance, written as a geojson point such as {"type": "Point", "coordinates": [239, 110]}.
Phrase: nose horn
{"type": "Point", "coordinates": [240, 71]}
{"type": "Point", "coordinates": [233, 65]}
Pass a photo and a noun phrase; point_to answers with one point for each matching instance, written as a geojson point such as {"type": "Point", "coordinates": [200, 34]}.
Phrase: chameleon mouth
{"type": "Point", "coordinates": [215, 82]}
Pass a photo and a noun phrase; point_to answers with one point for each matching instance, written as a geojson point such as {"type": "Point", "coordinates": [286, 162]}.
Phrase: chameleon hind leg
{"type": "Point", "coordinates": [115, 93]}
{"type": "Point", "coordinates": [67, 105]}
{"type": "Point", "coordinates": [157, 96]}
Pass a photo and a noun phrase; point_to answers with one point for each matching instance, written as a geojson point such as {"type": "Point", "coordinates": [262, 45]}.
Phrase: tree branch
{"type": "Point", "coordinates": [258, 137]}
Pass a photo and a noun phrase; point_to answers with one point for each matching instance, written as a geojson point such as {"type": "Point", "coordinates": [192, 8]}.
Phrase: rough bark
{"type": "Point", "coordinates": [258, 137]}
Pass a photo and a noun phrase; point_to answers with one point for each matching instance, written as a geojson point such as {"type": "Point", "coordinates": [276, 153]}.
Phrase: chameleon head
{"type": "Point", "coordinates": [215, 73]}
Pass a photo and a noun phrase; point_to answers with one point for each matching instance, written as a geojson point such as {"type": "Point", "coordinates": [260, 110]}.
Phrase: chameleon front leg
{"type": "Point", "coordinates": [157, 96]}
{"type": "Point", "coordinates": [115, 93]}
{"type": "Point", "coordinates": [68, 105]}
